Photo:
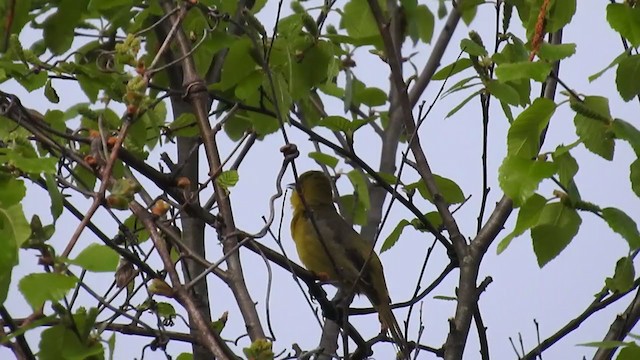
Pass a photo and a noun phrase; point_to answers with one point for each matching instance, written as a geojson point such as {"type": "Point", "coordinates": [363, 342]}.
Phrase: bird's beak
{"type": "Point", "coordinates": [291, 186]}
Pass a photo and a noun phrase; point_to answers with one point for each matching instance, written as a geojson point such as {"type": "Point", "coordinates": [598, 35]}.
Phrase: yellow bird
{"type": "Point", "coordinates": [347, 250]}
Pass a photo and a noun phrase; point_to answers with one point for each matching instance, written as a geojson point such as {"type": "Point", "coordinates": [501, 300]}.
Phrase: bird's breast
{"type": "Point", "coordinates": [311, 249]}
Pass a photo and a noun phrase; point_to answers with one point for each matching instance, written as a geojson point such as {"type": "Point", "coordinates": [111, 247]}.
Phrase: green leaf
{"type": "Point", "coordinates": [434, 219]}
{"type": "Point", "coordinates": [60, 342]}
{"type": "Point", "coordinates": [424, 21]}
{"type": "Point", "coordinates": [97, 258]}
{"type": "Point", "coordinates": [250, 85]}
{"type": "Point", "coordinates": [360, 187]}
{"type": "Point", "coordinates": [336, 123]}
{"type": "Point", "coordinates": [228, 178]}
{"type": "Point", "coordinates": [449, 190]}
{"type": "Point", "coordinates": [560, 15]}
{"type": "Point", "coordinates": [625, 131]}
{"type": "Point", "coordinates": [185, 356]}
{"type": "Point", "coordinates": [557, 226]}
{"type": "Point", "coordinates": [359, 22]}
{"type": "Point", "coordinates": [54, 195]}
{"type": "Point", "coordinates": [135, 228]}
{"type": "Point", "coordinates": [38, 288]}
{"type": "Point", "coordinates": [50, 93]}
{"type": "Point", "coordinates": [354, 212]}
{"type": "Point", "coordinates": [469, 10]}
{"type": "Point", "coordinates": [310, 71]}
{"type": "Point", "coordinates": [472, 48]}
{"type": "Point", "coordinates": [463, 103]}
{"type": "Point", "coordinates": [527, 217]}
{"type": "Point", "coordinates": [370, 96]}
{"type": "Point", "coordinates": [238, 64]}
{"type": "Point", "coordinates": [237, 125]}
{"type": "Point", "coordinates": [626, 21]}
{"type": "Point", "coordinates": [519, 177]}
{"type": "Point", "coordinates": [622, 224]}
{"type": "Point", "coordinates": [623, 277]}
{"type": "Point", "coordinates": [567, 166]}
{"type": "Point", "coordinates": [324, 159]}
{"type": "Point", "coordinates": [14, 231]}
{"type": "Point", "coordinates": [59, 27]}
{"type": "Point", "coordinates": [615, 62]}
{"type": "Point", "coordinates": [184, 125]}
{"type": "Point", "coordinates": [634, 176]}
{"type": "Point", "coordinates": [392, 239]}
{"type": "Point", "coordinates": [628, 70]}
{"type": "Point", "coordinates": [537, 71]}
{"type": "Point", "coordinates": [460, 85]}
{"type": "Point", "coordinates": [523, 139]}
{"type": "Point", "coordinates": [555, 52]}
{"type": "Point", "coordinates": [609, 344]}
{"type": "Point", "coordinates": [452, 69]}
{"type": "Point", "coordinates": [503, 92]}
{"type": "Point", "coordinates": [12, 190]}
{"type": "Point", "coordinates": [630, 352]}
{"type": "Point", "coordinates": [262, 124]}
{"type": "Point", "coordinates": [595, 135]}
{"type": "Point", "coordinates": [27, 162]}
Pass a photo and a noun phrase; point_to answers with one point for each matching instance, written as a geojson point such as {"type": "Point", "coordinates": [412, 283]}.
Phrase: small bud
{"type": "Point", "coordinates": [160, 208]}
{"type": "Point", "coordinates": [118, 202]}
{"type": "Point", "coordinates": [111, 142]}
{"type": "Point", "coordinates": [91, 160]}
{"type": "Point", "coordinates": [132, 110]}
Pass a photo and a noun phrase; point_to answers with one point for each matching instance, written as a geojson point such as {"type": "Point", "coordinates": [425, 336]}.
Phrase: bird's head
{"type": "Point", "coordinates": [314, 187]}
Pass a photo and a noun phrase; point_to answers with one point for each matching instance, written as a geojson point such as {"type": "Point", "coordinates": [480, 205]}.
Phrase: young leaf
{"type": "Point", "coordinates": [519, 177]}
{"type": "Point", "coordinates": [624, 225]}
{"type": "Point", "coordinates": [54, 195]}
{"type": "Point", "coordinates": [625, 20]}
{"type": "Point", "coordinates": [555, 52]}
{"type": "Point", "coordinates": [537, 71]}
{"type": "Point", "coordinates": [40, 287]}
{"type": "Point", "coordinates": [324, 159]}
{"type": "Point", "coordinates": [628, 70]}
{"type": "Point", "coordinates": [452, 69]}
{"type": "Point", "coordinates": [595, 134]}
{"type": "Point", "coordinates": [361, 190]}
{"type": "Point", "coordinates": [557, 226]}
{"type": "Point", "coordinates": [623, 277]}
{"type": "Point", "coordinates": [391, 240]}
{"type": "Point", "coordinates": [523, 139]}
{"type": "Point", "coordinates": [228, 178]}
{"type": "Point", "coordinates": [503, 92]}
{"type": "Point", "coordinates": [97, 258]}
{"type": "Point", "coordinates": [527, 217]}
{"type": "Point", "coordinates": [625, 131]}
{"type": "Point", "coordinates": [634, 176]}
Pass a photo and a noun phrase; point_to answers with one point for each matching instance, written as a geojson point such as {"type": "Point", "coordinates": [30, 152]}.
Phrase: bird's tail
{"type": "Point", "coordinates": [389, 323]}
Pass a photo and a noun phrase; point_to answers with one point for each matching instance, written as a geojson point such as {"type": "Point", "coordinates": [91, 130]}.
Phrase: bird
{"type": "Point", "coordinates": [328, 246]}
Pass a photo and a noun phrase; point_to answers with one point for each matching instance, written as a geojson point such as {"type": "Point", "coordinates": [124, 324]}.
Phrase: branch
{"type": "Point", "coordinates": [437, 51]}
{"type": "Point", "coordinates": [196, 94]}
{"type": "Point", "coordinates": [620, 328]}
{"type": "Point", "coordinates": [598, 304]}
{"type": "Point", "coordinates": [208, 338]}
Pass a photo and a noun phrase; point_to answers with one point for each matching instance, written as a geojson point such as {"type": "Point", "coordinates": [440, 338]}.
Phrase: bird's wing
{"type": "Point", "coordinates": [357, 252]}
